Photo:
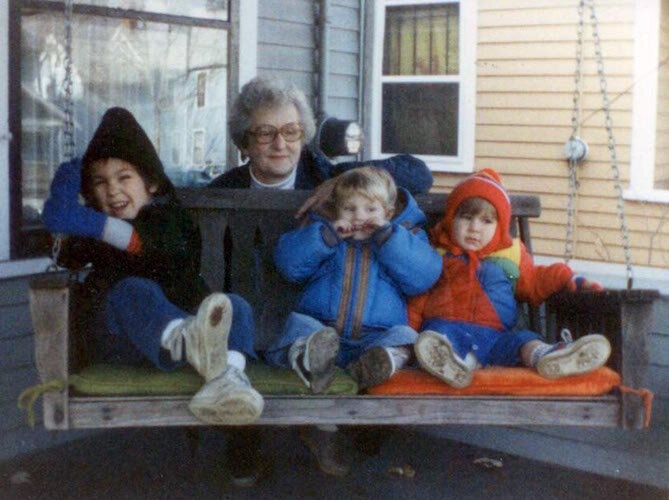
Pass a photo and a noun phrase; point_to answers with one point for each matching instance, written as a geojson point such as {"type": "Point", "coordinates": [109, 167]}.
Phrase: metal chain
{"type": "Point", "coordinates": [575, 128]}
{"type": "Point", "coordinates": [68, 121]}
{"type": "Point", "coordinates": [611, 142]}
{"type": "Point", "coordinates": [608, 122]}
{"type": "Point", "coordinates": [68, 126]}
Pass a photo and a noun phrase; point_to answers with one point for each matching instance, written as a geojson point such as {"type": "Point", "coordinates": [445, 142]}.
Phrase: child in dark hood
{"type": "Point", "coordinates": [144, 299]}
{"type": "Point", "coordinates": [467, 318]}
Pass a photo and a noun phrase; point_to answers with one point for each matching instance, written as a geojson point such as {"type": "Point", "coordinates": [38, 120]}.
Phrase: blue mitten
{"type": "Point", "coordinates": [66, 182]}
{"type": "Point", "coordinates": [72, 218]}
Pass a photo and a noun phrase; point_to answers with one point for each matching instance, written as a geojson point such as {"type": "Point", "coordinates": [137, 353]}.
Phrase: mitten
{"type": "Point", "coordinates": [66, 182]}
{"type": "Point", "coordinates": [579, 283]}
{"type": "Point", "coordinates": [72, 218]}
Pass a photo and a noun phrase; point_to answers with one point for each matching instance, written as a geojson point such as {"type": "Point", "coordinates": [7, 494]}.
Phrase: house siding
{"type": "Point", "coordinates": [526, 58]}
{"type": "Point", "coordinates": [287, 34]}
{"type": "Point", "coordinates": [662, 123]}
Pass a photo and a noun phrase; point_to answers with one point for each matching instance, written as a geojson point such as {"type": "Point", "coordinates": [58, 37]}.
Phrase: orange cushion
{"type": "Point", "coordinates": [499, 381]}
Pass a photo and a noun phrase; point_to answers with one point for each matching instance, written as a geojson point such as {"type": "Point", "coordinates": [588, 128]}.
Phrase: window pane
{"type": "Point", "coordinates": [150, 68]}
{"type": "Point", "coordinates": [421, 40]}
{"type": "Point", "coordinates": [207, 9]}
{"type": "Point", "coordinates": [420, 118]}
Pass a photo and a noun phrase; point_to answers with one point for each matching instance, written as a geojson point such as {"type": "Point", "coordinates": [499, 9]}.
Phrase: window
{"type": "Point", "coordinates": [154, 58]}
{"type": "Point", "coordinates": [649, 157]}
{"type": "Point", "coordinates": [427, 70]}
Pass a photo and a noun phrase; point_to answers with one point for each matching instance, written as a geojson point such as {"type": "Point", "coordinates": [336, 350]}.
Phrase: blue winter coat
{"type": "Point", "coordinates": [355, 285]}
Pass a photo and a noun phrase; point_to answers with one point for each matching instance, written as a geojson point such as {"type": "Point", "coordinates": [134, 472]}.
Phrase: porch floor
{"type": "Point", "coordinates": [158, 463]}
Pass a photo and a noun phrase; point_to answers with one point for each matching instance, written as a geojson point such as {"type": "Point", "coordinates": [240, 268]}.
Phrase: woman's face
{"type": "Point", "coordinates": [275, 161]}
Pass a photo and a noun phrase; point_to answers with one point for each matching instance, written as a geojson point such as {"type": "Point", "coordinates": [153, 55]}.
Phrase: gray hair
{"type": "Point", "coordinates": [267, 92]}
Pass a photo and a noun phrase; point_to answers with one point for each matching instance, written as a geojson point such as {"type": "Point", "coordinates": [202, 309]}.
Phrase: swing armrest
{"type": "Point", "coordinates": [624, 317]}
{"type": "Point", "coordinates": [50, 312]}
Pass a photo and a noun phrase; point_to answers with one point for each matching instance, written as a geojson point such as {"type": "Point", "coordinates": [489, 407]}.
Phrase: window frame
{"type": "Point", "coordinates": [644, 104]}
{"type": "Point", "coordinates": [243, 18]}
{"type": "Point", "coordinates": [464, 161]}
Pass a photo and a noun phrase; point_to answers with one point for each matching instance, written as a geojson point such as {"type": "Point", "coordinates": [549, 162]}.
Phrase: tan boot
{"type": "Point", "coordinates": [227, 400]}
{"type": "Point", "coordinates": [373, 367]}
{"type": "Point", "coordinates": [313, 358]}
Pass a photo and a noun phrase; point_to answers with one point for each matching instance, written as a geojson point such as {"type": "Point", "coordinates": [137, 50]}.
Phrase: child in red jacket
{"type": "Point", "coordinates": [466, 319]}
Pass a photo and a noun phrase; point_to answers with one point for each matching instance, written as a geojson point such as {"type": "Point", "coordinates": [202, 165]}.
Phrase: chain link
{"type": "Point", "coordinates": [608, 123]}
{"type": "Point", "coordinates": [611, 142]}
{"type": "Point", "coordinates": [68, 121]}
{"type": "Point", "coordinates": [575, 132]}
{"type": "Point", "coordinates": [68, 128]}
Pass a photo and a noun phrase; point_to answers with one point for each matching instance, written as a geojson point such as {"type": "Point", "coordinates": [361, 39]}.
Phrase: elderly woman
{"type": "Point", "coordinates": [272, 124]}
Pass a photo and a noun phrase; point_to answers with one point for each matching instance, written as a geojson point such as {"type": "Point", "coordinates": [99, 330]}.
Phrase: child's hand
{"type": "Point", "coordinates": [579, 283]}
{"type": "Point", "coordinates": [72, 218]}
{"type": "Point", "coordinates": [66, 183]}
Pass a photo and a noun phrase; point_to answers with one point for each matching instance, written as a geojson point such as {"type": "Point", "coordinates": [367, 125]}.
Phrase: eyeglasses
{"type": "Point", "coordinates": [265, 134]}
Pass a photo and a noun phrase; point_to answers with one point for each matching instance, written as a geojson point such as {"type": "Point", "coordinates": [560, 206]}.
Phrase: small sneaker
{"type": "Point", "coordinates": [206, 336]}
{"type": "Point", "coordinates": [571, 357]}
{"type": "Point", "coordinates": [329, 448]}
{"type": "Point", "coordinates": [227, 400]}
{"type": "Point", "coordinates": [373, 367]}
{"type": "Point", "coordinates": [436, 356]}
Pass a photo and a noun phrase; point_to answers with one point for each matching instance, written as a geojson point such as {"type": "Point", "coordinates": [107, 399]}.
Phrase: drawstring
{"type": "Point", "coordinates": [646, 399]}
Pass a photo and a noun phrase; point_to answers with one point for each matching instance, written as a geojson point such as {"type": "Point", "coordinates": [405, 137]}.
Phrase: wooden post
{"type": "Point", "coordinates": [636, 322]}
{"type": "Point", "coordinates": [49, 308]}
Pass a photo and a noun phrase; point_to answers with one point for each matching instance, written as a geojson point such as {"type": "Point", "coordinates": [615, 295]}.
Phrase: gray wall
{"type": "Point", "coordinates": [287, 50]}
{"type": "Point", "coordinates": [17, 371]}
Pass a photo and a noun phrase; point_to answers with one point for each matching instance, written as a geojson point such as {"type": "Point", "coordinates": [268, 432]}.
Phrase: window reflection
{"type": "Point", "coordinates": [171, 77]}
{"type": "Point", "coordinates": [206, 9]}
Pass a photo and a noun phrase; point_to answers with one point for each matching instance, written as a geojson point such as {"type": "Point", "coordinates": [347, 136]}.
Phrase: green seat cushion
{"type": "Point", "coordinates": [119, 380]}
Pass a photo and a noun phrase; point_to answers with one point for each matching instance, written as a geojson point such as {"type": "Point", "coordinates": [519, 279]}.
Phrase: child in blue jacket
{"type": "Point", "coordinates": [144, 299]}
{"type": "Point", "coordinates": [357, 265]}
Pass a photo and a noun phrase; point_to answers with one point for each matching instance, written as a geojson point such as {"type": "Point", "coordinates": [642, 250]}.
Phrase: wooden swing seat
{"type": "Point", "coordinates": [239, 228]}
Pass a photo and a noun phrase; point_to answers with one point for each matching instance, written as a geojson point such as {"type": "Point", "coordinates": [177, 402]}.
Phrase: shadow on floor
{"type": "Point", "coordinates": [159, 463]}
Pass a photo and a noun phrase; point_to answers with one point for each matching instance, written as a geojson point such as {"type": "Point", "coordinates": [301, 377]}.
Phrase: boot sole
{"type": "Point", "coordinates": [582, 356]}
{"type": "Point", "coordinates": [214, 316]}
{"type": "Point", "coordinates": [372, 368]}
{"type": "Point", "coordinates": [436, 356]}
{"type": "Point", "coordinates": [321, 354]}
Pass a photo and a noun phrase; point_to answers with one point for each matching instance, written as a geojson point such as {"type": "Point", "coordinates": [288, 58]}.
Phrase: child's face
{"type": "Point", "coordinates": [118, 188]}
{"type": "Point", "coordinates": [358, 210]}
{"type": "Point", "coordinates": [474, 232]}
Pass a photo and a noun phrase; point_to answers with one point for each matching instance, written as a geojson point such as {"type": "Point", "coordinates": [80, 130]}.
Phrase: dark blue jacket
{"type": "Point", "coordinates": [313, 168]}
{"type": "Point", "coordinates": [360, 284]}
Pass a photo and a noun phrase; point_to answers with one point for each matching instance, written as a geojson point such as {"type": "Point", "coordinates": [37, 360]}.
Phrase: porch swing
{"type": "Point", "coordinates": [239, 228]}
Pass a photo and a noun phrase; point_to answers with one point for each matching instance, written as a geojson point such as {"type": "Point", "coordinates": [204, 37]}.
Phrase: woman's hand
{"type": "Point", "coordinates": [320, 196]}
